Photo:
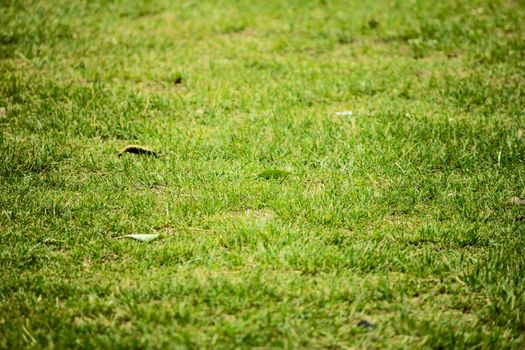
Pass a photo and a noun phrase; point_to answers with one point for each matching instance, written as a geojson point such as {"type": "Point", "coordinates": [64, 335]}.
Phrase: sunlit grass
{"type": "Point", "coordinates": [283, 223]}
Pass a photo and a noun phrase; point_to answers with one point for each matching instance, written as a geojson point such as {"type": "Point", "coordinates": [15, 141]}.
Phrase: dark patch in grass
{"type": "Point", "coordinates": [365, 324]}
{"type": "Point", "coordinates": [177, 80]}
{"type": "Point", "coordinates": [373, 23]}
{"type": "Point", "coordinates": [273, 174]}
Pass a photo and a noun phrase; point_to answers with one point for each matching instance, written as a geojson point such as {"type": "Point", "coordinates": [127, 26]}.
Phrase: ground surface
{"type": "Point", "coordinates": [398, 214]}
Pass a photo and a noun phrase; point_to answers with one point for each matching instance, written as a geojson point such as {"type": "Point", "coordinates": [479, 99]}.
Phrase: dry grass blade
{"type": "Point", "coordinates": [517, 201]}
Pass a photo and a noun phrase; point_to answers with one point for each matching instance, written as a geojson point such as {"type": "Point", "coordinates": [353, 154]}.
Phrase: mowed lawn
{"type": "Point", "coordinates": [401, 214]}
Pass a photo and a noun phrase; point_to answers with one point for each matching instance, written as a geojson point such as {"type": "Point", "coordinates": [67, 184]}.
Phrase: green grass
{"type": "Point", "coordinates": [282, 224]}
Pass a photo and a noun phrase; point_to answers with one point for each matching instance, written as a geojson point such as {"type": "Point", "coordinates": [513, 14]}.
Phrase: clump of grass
{"type": "Point", "coordinates": [273, 174]}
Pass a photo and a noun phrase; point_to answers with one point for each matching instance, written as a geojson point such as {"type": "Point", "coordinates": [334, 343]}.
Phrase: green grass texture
{"type": "Point", "coordinates": [283, 223]}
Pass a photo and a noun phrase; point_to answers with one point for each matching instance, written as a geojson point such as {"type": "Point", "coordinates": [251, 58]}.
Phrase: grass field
{"type": "Point", "coordinates": [398, 214]}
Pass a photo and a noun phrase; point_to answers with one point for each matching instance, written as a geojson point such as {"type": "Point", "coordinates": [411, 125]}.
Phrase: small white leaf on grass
{"type": "Point", "coordinates": [146, 237]}
{"type": "Point", "coordinates": [517, 201]}
{"type": "Point", "coordinates": [344, 113]}
{"type": "Point", "coordinates": [519, 134]}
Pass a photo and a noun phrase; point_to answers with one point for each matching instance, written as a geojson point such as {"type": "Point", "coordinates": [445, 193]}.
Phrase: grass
{"type": "Point", "coordinates": [283, 224]}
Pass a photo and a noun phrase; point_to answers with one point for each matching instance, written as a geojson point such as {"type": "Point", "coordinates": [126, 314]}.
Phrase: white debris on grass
{"type": "Point", "coordinates": [142, 237]}
{"type": "Point", "coordinates": [344, 113]}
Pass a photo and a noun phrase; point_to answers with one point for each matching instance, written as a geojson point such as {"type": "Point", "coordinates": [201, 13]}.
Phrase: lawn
{"type": "Point", "coordinates": [282, 222]}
